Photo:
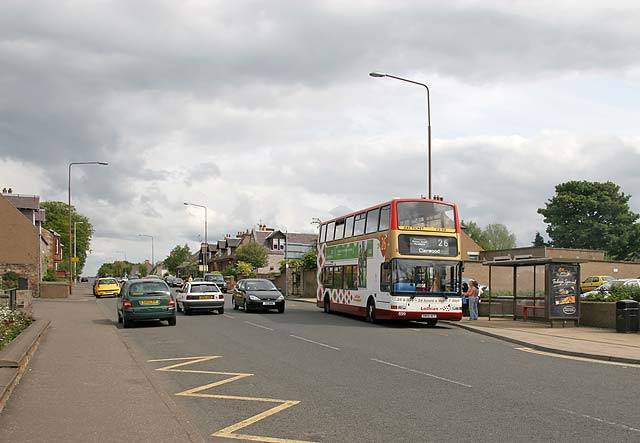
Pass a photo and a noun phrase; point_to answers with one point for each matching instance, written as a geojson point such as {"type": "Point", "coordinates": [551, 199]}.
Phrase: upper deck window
{"type": "Point", "coordinates": [424, 214]}
{"type": "Point", "coordinates": [339, 230]}
{"type": "Point", "coordinates": [384, 218]}
{"type": "Point", "coordinates": [348, 230]}
{"type": "Point", "coordinates": [359, 224]}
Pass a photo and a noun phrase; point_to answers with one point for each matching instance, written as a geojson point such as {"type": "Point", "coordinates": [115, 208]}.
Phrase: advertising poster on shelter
{"type": "Point", "coordinates": [563, 287]}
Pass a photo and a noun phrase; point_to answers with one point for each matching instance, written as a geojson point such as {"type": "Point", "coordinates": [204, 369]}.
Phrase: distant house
{"type": "Point", "coordinates": [51, 250]}
{"type": "Point", "coordinates": [223, 253]}
{"type": "Point", "coordinates": [277, 243]}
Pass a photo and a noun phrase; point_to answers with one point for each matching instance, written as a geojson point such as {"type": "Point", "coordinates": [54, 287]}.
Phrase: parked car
{"type": "Point", "coordinates": [106, 286]}
{"type": "Point", "coordinates": [218, 279]}
{"type": "Point", "coordinates": [593, 282]}
{"type": "Point", "coordinates": [257, 293]}
{"type": "Point", "coordinates": [84, 279]}
{"type": "Point", "coordinates": [203, 295]}
{"type": "Point", "coordinates": [145, 299]}
{"type": "Point", "coordinates": [605, 288]}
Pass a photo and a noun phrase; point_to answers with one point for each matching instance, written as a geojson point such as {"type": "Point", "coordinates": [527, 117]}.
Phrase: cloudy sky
{"type": "Point", "coordinates": [264, 111]}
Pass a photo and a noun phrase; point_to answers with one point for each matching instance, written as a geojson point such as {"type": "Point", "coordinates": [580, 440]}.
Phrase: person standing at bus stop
{"type": "Point", "coordinates": [472, 295]}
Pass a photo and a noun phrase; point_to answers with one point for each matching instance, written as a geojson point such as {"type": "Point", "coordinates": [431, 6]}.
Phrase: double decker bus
{"type": "Point", "coordinates": [396, 260]}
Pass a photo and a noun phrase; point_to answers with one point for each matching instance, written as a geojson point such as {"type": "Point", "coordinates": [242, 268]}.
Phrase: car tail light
{"type": "Point", "coordinates": [126, 304]}
{"type": "Point", "coordinates": [189, 297]}
{"type": "Point", "coordinates": [171, 301]}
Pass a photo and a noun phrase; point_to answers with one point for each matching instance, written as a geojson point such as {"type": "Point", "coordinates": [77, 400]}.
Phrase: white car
{"type": "Point", "coordinates": [604, 288]}
{"type": "Point", "coordinates": [200, 295]}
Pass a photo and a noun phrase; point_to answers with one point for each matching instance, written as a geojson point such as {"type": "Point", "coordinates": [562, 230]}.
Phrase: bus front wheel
{"type": "Point", "coordinates": [371, 311]}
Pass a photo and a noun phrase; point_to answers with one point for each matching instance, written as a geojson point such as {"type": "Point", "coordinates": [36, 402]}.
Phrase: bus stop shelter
{"type": "Point", "coordinates": [561, 300]}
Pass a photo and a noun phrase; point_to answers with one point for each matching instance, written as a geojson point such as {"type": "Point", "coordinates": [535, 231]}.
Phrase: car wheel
{"type": "Point", "coordinates": [126, 323]}
{"type": "Point", "coordinates": [185, 310]}
{"type": "Point", "coordinates": [178, 308]}
{"type": "Point", "coordinates": [235, 305]}
{"type": "Point", "coordinates": [281, 309]}
{"type": "Point", "coordinates": [119, 317]}
{"type": "Point", "coordinates": [371, 312]}
{"type": "Point", "coordinates": [244, 306]}
{"type": "Point", "coordinates": [172, 321]}
{"type": "Point", "coordinates": [221, 311]}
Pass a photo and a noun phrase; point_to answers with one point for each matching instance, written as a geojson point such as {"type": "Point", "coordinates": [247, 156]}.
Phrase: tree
{"type": "Point", "coordinates": [244, 269]}
{"type": "Point", "coordinates": [177, 256]}
{"type": "Point", "coordinates": [592, 215]}
{"type": "Point", "coordinates": [57, 219]}
{"type": "Point", "coordinates": [497, 236]}
{"type": "Point", "coordinates": [538, 241]}
{"type": "Point", "coordinates": [494, 236]}
{"type": "Point", "coordinates": [310, 259]}
{"type": "Point", "coordinates": [252, 253]}
{"type": "Point", "coordinates": [474, 231]}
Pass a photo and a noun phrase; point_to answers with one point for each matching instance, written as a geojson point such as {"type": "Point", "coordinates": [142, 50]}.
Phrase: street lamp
{"type": "Point", "coordinates": [151, 237]}
{"type": "Point", "coordinates": [70, 261]}
{"type": "Point", "coordinates": [75, 245]}
{"type": "Point", "coordinates": [380, 75]}
{"type": "Point", "coordinates": [204, 259]}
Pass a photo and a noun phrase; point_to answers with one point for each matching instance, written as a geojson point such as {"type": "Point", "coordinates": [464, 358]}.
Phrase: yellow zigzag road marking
{"type": "Point", "coordinates": [229, 431]}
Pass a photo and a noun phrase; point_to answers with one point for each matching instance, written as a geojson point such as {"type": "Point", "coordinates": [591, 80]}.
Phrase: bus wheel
{"type": "Point", "coordinates": [432, 322]}
{"type": "Point", "coordinates": [371, 311]}
{"type": "Point", "coordinates": [327, 305]}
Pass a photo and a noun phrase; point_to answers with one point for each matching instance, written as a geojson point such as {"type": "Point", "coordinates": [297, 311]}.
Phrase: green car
{"type": "Point", "coordinates": [145, 299]}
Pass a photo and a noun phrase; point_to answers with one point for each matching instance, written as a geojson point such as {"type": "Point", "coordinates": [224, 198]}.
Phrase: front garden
{"type": "Point", "coordinates": [12, 323]}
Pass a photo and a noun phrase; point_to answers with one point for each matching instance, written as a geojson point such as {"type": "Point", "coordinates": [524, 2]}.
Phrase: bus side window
{"type": "Point", "coordinates": [358, 228]}
{"type": "Point", "coordinates": [327, 278]}
{"type": "Point", "coordinates": [348, 227]}
{"type": "Point", "coordinates": [372, 220]}
{"type": "Point", "coordinates": [384, 218]}
{"type": "Point", "coordinates": [330, 231]}
{"type": "Point", "coordinates": [337, 277]}
{"type": "Point", "coordinates": [385, 277]}
{"type": "Point", "coordinates": [323, 231]}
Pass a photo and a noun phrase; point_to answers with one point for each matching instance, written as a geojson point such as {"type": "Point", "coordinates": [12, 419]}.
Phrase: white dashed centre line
{"type": "Point", "coordinates": [315, 342]}
{"type": "Point", "coordinates": [228, 316]}
{"type": "Point", "coordinates": [258, 326]}
{"type": "Point", "coordinates": [422, 373]}
{"type": "Point", "coordinates": [600, 420]}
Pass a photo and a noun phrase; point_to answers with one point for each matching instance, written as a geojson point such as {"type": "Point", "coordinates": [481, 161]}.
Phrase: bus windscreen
{"type": "Point", "coordinates": [415, 277]}
{"type": "Point", "coordinates": [424, 214]}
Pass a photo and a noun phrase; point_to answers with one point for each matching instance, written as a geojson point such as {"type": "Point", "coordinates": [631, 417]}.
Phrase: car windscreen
{"type": "Point", "coordinates": [148, 288]}
{"type": "Point", "coordinates": [204, 288]}
{"type": "Point", "coordinates": [215, 277]}
{"type": "Point", "coordinates": [260, 286]}
{"type": "Point", "coordinates": [109, 281]}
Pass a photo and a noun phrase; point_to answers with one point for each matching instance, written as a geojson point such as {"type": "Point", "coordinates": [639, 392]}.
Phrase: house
{"type": "Point", "coordinates": [281, 245]}
{"type": "Point", "coordinates": [223, 252]}
{"type": "Point", "coordinates": [51, 247]}
{"type": "Point", "coordinates": [20, 240]}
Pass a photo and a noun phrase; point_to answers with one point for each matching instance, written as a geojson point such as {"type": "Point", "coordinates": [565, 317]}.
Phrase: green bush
{"type": "Point", "coordinates": [617, 292]}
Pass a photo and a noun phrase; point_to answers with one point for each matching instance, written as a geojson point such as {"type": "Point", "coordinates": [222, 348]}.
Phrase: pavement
{"type": "Point", "coordinates": [585, 342]}
{"type": "Point", "coordinates": [84, 383]}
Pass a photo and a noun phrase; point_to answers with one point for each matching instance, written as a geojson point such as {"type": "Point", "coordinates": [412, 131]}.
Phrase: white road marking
{"type": "Point", "coordinates": [422, 373]}
{"type": "Point", "coordinates": [258, 326]}
{"type": "Point", "coordinates": [228, 316]}
{"type": "Point", "coordinates": [315, 342]}
{"type": "Point", "coordinates": [572, 357]}
{"type": "Point", "coordinates": [600, 420]}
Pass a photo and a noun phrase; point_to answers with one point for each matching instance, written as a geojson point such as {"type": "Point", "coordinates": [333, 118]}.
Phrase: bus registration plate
{"type": "Point", "coordinates": [429, 316]}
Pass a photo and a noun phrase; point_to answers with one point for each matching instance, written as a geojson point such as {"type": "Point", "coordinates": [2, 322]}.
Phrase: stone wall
{"type": "Point", "coordinates": [598, 314]}
{"type": "Point", "coordinates": [30, 271]}
{"type": "Point", "coordinates": [54, 289]}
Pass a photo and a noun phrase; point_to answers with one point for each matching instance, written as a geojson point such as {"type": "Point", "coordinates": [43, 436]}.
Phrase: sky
{"type": "Point", "coordinates": [265, 113]}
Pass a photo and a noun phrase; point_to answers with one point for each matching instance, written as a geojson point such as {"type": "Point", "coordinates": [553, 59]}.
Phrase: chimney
{"type": "Point", "coordinates": [10, 191]}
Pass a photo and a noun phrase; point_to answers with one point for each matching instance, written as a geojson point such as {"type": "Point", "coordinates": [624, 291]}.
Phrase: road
{"type": "Point", "coordinates": [309, 376]}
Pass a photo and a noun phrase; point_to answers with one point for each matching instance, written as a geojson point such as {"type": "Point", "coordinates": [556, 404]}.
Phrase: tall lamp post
{"type": "Point", "coordinates": [379, 75]}
{"type": "Point", "coordinates": [204, 259]}
{"type": "Point", "coordinates": [151, 237]}
{"type": "Point", "coordinates": [70, 261]}
{"type": "Point", "coordinates": [75, 245]}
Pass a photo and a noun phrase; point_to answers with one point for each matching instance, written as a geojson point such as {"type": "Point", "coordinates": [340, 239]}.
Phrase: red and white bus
{"type": "Point", "coordinates": [396, 260]}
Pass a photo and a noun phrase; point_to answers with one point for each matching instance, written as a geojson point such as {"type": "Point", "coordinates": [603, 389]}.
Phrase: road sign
{"type": "Point", "coordinates": [75, 259]}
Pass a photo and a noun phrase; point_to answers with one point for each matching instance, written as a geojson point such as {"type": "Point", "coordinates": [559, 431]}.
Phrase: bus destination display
{"type": "Point", "coordinates": [427, 245]}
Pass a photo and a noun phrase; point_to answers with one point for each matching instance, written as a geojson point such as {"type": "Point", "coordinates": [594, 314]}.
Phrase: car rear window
{"type": "Point", "coordinates": [147, 288]}
{"type": "Point", "coordinates": [108, 281]}
{"type": "Point", "coordinates": [204, 288]}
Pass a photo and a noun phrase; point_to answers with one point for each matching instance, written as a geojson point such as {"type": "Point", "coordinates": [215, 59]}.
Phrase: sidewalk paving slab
{"type": "Point", "coordinates": [84, 384]}
{"type": "Point", "coordinates": [587, 342]}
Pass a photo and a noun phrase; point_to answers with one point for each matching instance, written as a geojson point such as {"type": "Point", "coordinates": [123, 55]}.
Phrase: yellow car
{"type": "Point", "coordinates": [106, 286]}
{"type": "Point", "coordinates": [591, 283]}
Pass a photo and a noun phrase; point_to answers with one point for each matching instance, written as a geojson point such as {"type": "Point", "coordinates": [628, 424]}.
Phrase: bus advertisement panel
{"type": "Point", "coordinates": [397, 260]}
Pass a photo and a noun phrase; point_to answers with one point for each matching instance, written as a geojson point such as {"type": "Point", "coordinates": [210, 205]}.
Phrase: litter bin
{"type": "Point", "coordinates": [627, 316]}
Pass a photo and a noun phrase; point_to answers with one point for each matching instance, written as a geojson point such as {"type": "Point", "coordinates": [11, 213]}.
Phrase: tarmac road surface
{"type": "Point", "coordinates": [309, 376]}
